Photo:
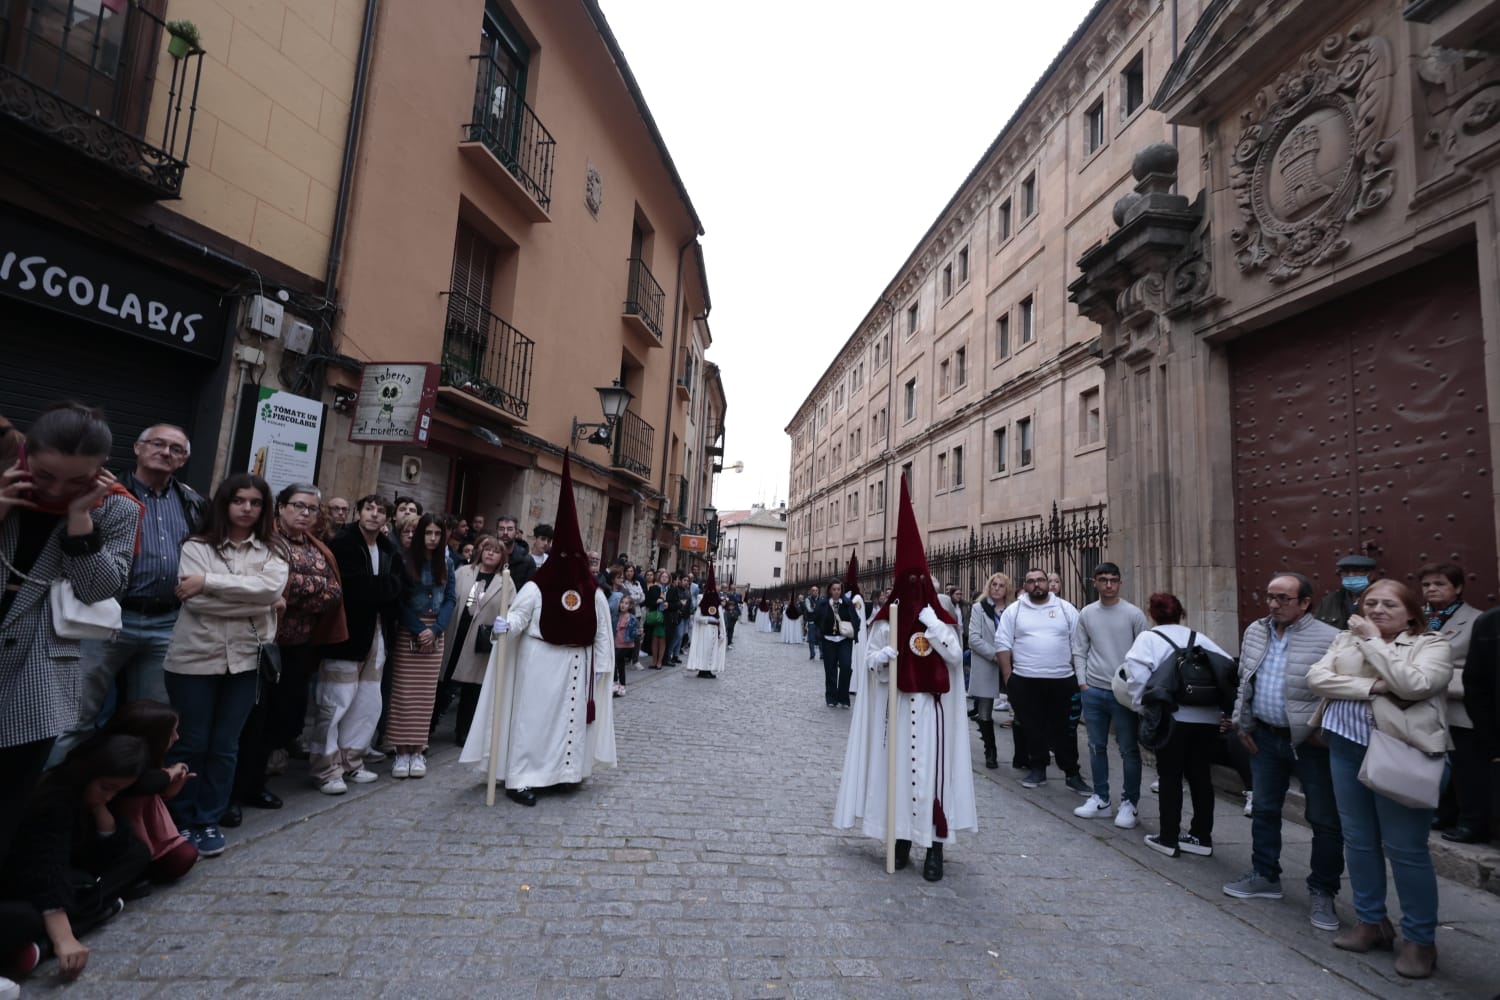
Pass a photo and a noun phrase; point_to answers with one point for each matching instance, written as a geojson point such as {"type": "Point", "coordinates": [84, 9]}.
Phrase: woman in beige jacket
{"type": "Point", "coordinates": [230, 580]}
{"type": "Point", "coordinates": [477, 588]}
{"type": "Point", "coordinates": [1388, 673]}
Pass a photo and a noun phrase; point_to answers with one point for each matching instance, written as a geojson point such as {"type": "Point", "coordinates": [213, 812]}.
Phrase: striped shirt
{"type": "Point", "coordinates": [153, 574]}
{"type": "Point", "coordinates": [1269, 704]}
{"type": "Point", "coordinates": [1350, 719]}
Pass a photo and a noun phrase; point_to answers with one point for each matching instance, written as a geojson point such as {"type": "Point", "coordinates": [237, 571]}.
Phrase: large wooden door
{"type": "Point", "coordinates": [1361, 426]}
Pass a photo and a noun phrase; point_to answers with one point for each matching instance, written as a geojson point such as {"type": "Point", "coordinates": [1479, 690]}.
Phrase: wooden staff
{"type": "Point", "coordinates": [497, 656]}
{"type": "Point", "coordinates": [890, 745]}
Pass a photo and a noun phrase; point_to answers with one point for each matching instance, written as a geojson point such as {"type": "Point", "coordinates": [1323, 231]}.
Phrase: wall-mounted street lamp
{"type": "Point", "coordinates": [613, 399]}
{"type": "Point", "coordinates": [711, 519]}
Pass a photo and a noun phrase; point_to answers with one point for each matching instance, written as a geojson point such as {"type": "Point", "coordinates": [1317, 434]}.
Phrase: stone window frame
{"type": "Point", "coordinates": [1083, 445]}
{"type": "Point", "coordinates": [1129, 115]}
{"type": "Point", "coordinates": [1028, 420]}
{"type": "Point", "coordinates": [1093, 114]}
{"type": "Point", "coordinates": [1000, 465]}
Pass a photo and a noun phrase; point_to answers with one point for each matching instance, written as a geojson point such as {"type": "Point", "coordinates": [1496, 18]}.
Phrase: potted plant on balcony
{"type": "Point", "coordinates": [185, 38]}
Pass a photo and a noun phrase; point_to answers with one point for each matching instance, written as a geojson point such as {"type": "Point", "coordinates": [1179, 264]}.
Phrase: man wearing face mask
{"type": "Point", "coordinates": [1356, 573]}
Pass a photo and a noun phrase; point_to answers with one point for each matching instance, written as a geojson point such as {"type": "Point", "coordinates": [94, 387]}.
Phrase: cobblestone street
{"type": "Point", "coordinates": [706, 866]}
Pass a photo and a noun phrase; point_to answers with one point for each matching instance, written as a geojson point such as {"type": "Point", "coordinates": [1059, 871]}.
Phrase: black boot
{"type": "Point", "coordinates": [932, 869]}
{"type": "Point", "coordinates": [987, 737]}
{"type": "Point", "coordinates": [903, 854]}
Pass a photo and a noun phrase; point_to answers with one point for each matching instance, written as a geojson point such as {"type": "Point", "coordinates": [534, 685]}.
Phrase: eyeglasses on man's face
{"type": "Point", "coordinates": [170, 447]}
{"type": "Point", "coordinates": [1281, 599]}
{"type": "Point", "coordinates": [304, 508]}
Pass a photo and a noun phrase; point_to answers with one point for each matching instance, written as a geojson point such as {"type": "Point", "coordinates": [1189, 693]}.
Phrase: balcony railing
{"type": "Point", "coordinates": [644, 298]}
{"type": "Point", "coordinates": [81, 75]}
{"type": "Point", "coordinates": [507, 126]}
{"type": "Point", "coordinates": [632, 450]}
{"type": "Point", "coordinates": [486, 357]}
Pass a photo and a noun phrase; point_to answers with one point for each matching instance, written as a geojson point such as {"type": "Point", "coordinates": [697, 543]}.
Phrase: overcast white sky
{"type": "Point", "coordinates": [818, 140]}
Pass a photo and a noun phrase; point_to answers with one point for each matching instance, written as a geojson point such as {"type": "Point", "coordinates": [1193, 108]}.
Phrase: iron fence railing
{"type": "Point", "coordinates": [632, 449]}
{"type": "Point", "coordinates": [486, 357]}
{"type": "Point", "coordinates": [82, 76]}
{"type": "Point", "coordinates": [1070, 544]}
{"type": "Point", "coordinates": [644, 297]}
{"type": "Point", "coordinates": [511, 130]}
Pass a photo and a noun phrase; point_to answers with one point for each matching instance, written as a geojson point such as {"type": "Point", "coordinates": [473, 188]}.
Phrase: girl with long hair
{"type": "Point", "coordinates": [426, 609]}
{"type": "Point", "coordinates": [984, 667]}
{"type": "Point", "coordinates": [627, 635]}
{"type": "Point", "coordinates": [231, 577]}
{"type": "Point", "coordinates": [142, 806]}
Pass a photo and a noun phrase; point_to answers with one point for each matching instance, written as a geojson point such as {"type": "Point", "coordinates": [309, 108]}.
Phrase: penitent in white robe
{"type": "Point", "coordinates": [763, 622]}
{"type": "Point", "coordinates": [862, 788]}
{"type": "Point", "coordinates": [707, 650]}
{"type": "Point", "coordinates": [545, 738]}
{"type": "Point", "coordinates": [791, 631]}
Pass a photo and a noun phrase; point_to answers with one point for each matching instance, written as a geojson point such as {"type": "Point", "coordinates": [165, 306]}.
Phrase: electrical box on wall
{"type": "Point", "coordinates": [298, 337]}
{"type": "Point", "coordinates": [264, 316]}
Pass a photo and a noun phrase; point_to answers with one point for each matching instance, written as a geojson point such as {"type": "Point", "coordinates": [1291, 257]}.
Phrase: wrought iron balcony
{"type": "Point", "coordinates": [80, 75]}
{"type": "Point", "coordinates": [632, 447]}
{"type": "Point", "coordinates": [486, 357]}
{"type": "Point", "coordinates": [509, 129]}
{"type": "Point", "coordinates": [644, 299]}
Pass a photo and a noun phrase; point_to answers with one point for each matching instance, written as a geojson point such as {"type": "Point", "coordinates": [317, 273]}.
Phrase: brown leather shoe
{"type": "Point", "coordinates": [1363, 937]}
{"type": "Point", "coordinates": [1416, 961]}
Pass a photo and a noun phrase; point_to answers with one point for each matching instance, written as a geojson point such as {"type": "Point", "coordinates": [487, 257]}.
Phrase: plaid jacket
{"type": "Point", "coordinates": [39, 671]}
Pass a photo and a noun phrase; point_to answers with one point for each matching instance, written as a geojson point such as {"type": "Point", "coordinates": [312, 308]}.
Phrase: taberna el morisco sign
{"type": "Point", "coordinates": [395, 403]}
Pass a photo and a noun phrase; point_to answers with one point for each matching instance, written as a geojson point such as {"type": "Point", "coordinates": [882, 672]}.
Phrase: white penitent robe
{"type": "Point", "coordinates": [763, 622]}
{"type": "Point", "coordinates": [791, 631]}
{"type": "Point", "coordinates": [707, 650]}
{"type": "Point", "coordinates": [862, 788]}
{"type": "Point", "coordinates": [545, 736]}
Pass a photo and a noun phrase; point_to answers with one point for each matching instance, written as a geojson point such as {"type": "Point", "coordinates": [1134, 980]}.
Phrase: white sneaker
{"type": "Point", "coordinates": [1126, 819]}
{"type": "Point", "coordinates": [1094, 808]}
{"type": "Point", "coordinates": [361, 777]}
{"type": "Point", "coordinates": [1249, 803]}
{"type": "Point", "coordinates": [1156, 787]}
{"type": "Point", "coordinates": [9, 990]}
{"type": "Point", "coordinates": [333, 786]}
{"type": "Point", "coordinates": [402, 767]}
{"type": "Point", "coordinates": [1002, 704]}
{"type": "Point", "coordinates": [418, 765]}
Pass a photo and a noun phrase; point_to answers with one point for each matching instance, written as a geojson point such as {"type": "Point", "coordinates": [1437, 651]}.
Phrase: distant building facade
{"type": "Point", "coordinates": [752, 548]}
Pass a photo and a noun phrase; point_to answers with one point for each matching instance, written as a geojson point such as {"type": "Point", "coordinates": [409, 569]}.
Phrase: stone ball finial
{"type": "Point", "coordinates": [1157, 158]}
{"type": "Point", "coordinates": [1124, 205]}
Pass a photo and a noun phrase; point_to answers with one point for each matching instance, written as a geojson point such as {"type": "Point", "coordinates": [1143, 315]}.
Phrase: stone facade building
{"type": "Point", "coordinates": [1268, 340]}
{"type": "Point", "coordinates": [752, 548]}
{"type": "Point", "coordinates": [971, 372]}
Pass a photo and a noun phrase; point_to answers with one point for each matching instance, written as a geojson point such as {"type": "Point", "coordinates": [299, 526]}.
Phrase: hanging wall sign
{"type": "Point", "coordinates": [49, 269]}
{"type": "Point", "coordinates": [395, 404]}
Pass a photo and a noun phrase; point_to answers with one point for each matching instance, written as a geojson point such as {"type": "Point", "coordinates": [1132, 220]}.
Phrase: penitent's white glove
{"type": "Point", "coordinates": [928, 617]}
{"type": "Point", "coordinates": [501, 626]}
{"type": "Point", "coordinates": [882, 656]}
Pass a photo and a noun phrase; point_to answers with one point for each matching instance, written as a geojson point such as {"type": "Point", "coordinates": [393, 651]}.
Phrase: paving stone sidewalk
{"type": "Point", "coordinates": [705, 865]}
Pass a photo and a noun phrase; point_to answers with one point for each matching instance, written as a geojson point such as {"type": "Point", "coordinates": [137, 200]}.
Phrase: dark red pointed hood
{"type": "Point", "coordinates": [709, 599]}
{"type": "Point", "coordinates": [851, 577]}
{"type": "Point", "coordinates": [913, 588]}
{"type": "Point", "coordinates": [565, 580]}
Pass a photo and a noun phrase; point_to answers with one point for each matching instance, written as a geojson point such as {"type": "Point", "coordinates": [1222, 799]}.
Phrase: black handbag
{"type": "Point", "coordinates": [484, 640]}
{"type": "Point", "coordinates": [267, 658]}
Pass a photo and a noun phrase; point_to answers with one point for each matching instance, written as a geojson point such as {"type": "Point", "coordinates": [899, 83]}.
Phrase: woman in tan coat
{"type": "Point", "coordinates": [477, 587]}
{"type": "Point", "coordinates": [231, 576]}
{"type": "Point", "coordinates": [1386, 673]}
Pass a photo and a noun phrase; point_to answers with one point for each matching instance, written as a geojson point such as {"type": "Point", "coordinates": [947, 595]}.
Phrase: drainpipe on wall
{"type": "Point", "coordinates": [351, 142]}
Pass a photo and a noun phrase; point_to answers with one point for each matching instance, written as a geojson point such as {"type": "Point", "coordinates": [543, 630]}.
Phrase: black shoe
{"type": "Point", "coordinates": [932, 868]}
{"type": "Point", "coordinates": [524, 796]}
{"type": "Point", "coordinates": [262, 800]}
{"type": "Point", "coordinates": [1021, 765]}
{"type": "Point", "coordinates": [232, 817]}
{"type": "Point", "coordinates": [1466, 835]}
{"type": "Point", "coordinates": [136, 890]}
{"type": "Point", "coordinates": [705, 673]}
{"type": "Point", "coordinates": [903, 854]}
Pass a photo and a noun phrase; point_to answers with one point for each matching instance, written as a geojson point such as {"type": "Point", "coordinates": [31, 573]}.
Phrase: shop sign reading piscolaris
{"type": "Point", "coordinates": [395, 403]}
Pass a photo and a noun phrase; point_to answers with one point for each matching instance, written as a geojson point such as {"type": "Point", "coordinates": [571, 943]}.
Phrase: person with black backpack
{"type": "Point", "coordinates": [1182, 683]}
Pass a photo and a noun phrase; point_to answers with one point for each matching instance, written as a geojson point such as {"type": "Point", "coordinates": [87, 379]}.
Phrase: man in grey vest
{"type": "Point", "coordinates": [1273, 715]}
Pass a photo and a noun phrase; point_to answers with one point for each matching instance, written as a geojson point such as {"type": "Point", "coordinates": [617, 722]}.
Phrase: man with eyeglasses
{"type": "Point", "coordinates": [338, 513]}
{"type": "Point", "coordinates": [173, 510]}
{"type": "Point", "coordinates": [1034, 647]}
{"type": "Point", "coordinates": [1273, 717]}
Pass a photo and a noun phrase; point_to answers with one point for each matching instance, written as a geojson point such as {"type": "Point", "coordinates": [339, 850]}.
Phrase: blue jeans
{"type": "Point", "coordinates": [1376, 829]}
{"type": "Point", "coordinates": [139, 649]}
{"type": "Point", "coordinates": [1100, 710]}
{"type": "Point", "coordinates": [679, 632]}
{"type": "Point", "coordinates": [1271, 767]}
{"type": "Point", "coordinates": [211, 710]}
{"type": "Point", "coordinates": [814, 640]}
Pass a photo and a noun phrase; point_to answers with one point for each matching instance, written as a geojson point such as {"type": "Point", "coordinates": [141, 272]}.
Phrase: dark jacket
{"type": "Point", "coordinates": [370, 598]}
{"type": "Point", "coordinates": [194, 507]}
{"type": "Point", "coordinates": [58, 858]}
{"type": "Point", "coordinates": [828, 617]}
{"type": "Point", "coordinates": [521, 564]}
{"type": "Point", "coordinates": [1335, 608]}
{"type": "Point", "coordinates": [1482, 682]}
